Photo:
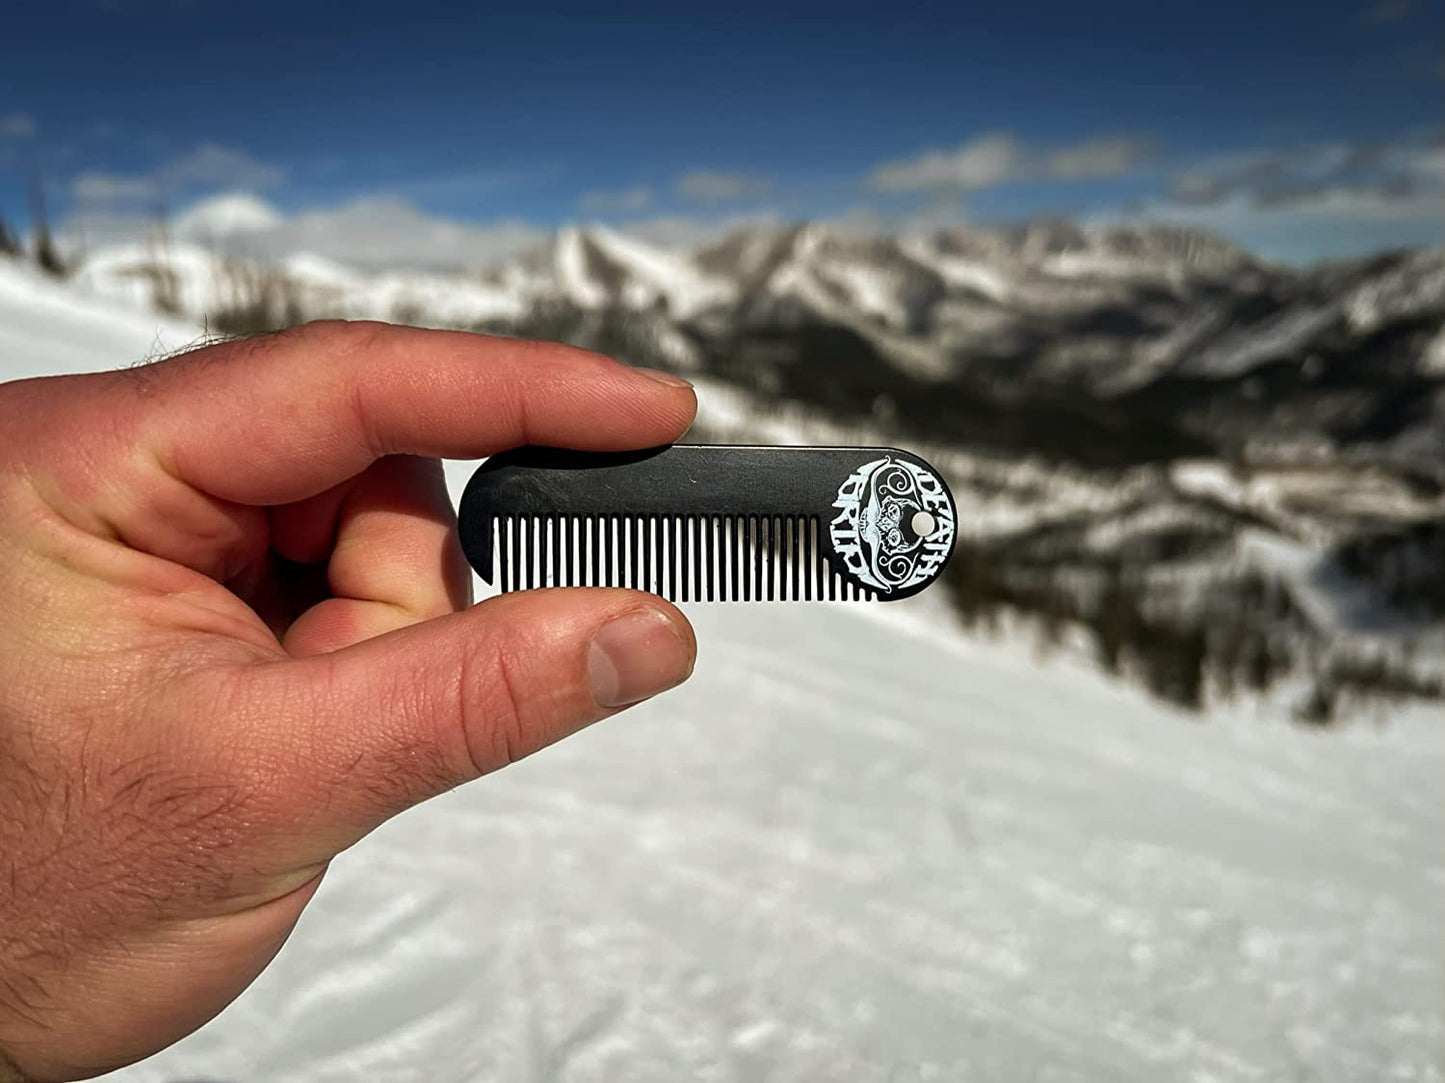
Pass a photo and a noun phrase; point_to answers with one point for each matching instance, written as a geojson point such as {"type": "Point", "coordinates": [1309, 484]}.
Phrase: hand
{"type": "Point", "coordinates": [235, 637]}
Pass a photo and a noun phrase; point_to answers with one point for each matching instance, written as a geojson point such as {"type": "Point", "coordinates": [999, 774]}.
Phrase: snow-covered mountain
{"type": "Point", "coordinates": [1206, 460]}
{"type": "Point", "coordinates": [1111, 345]}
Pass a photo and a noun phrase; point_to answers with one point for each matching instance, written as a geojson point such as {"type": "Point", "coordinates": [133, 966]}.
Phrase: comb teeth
{"type": "Point", "coordinates": [684, 558]}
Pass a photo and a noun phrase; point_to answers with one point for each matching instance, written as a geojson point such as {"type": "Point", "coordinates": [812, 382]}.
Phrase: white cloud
{"type": "Point", "coordinates": [206, 165]}
{"type": "Point", "coordinates": [373, 231]}
{"type": "Point", "coordinates": [114, 188]}
{"type": "Point", "coordinates": [230, 214]}
{"type": "Point", "coordinates": [941, 213]}
{"type": "Point", "coordinates": [1313, 201]}
{"type": "Point", "coordinates": [213, 164]}
{"type": "Point", "coordinates": [1384, 172]}
{"type": "Point", "coordinates": [1197, 186]}
{"type": "Point", "coordinates": [1096, 158]}
{"type": "Point", "coordinates": [1334, 223]}
{"type": "Point", "coordinates": [17, 126]}
{"type": "Point", "coordinates": [1429, 162]}
{"type": "Point", "coordinates": [721, 186]}
{"type": "Point", "coordinates": [624, 201]}
{"type": "Point", "coordinates": [685, 231]}
{"type": "Point", "coordinates": [386, 230]}
{"type": "Point", "coordinates": [979, 163]}
{"type": "Point", "coordinates": [1331, 203]}
{"type": "Point", "coordinates": [990, 160]}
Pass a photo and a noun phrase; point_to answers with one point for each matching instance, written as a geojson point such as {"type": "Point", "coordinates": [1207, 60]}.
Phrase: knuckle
{"type": "Point", "coordinates": [504, 717]}
{"type": "Point", "coordinates": [337, 337]}
{"type": "Point", "coordinates": [502, 720]}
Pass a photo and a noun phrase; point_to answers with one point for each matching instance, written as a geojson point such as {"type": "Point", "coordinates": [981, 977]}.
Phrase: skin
{"type": "Point", "coordinates": [236, 635]}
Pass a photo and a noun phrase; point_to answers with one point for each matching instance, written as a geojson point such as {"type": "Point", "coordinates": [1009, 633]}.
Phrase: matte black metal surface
{"type": "Point", "coordinates": [695, 522]}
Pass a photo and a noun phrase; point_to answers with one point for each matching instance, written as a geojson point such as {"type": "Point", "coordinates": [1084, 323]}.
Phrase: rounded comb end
{"type": "Point", "coordinates": [895, 526]}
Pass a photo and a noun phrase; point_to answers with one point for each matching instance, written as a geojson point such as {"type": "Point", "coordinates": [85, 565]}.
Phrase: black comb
{"type": "Point", "coordinates": [694, 522]}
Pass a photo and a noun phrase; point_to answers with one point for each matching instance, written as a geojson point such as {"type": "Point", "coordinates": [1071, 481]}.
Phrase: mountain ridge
{"type": "Point", "coordinates": [1228, 472]}
{"type": "Point", "coordinates": [1121, 315]}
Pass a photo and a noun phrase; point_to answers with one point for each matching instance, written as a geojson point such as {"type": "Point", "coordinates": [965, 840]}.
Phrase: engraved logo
{"type": "Point", "coordinates": [895, 524]}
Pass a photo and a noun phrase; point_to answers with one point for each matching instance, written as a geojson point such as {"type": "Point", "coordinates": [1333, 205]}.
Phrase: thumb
{"type": "Point", "coordinates": [373, 729]}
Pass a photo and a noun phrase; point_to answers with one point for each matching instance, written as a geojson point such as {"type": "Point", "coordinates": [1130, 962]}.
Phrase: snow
{"type": "Point", "coordinates": [655, 272]}
{"type": "Point", "coordinates": [207, 282]}
{"type": "Point", "coordinates": [199, 280]}
{"type": "Point", "coordinates": [1432, 361]}
{"type": "Point", "coordinates": [434, 300]}
{"type": "Point", "coordinates": [321, 270]}
{"type": "Point", "coordinates": [227, 215]}
{"type": "Point", "coordinates": [1412, 289]}
{"type": "Point", "coordinates": [646, 273]}
{"type": "Point", "coordinates": [1289, 493]}
{"type": "Point", "coordinates": [1238, 352]}
{"type": "Point", "coordinates": [47, 328]}
{"type": "Point", "coordinates": [976, 275]}
{"type": "Point", "coordinates": [1084, 264]}
{"type": "Point", "coordinates": [572, 277]}
{"type": "Point", "coordinates": [871, 289]}
{"type": "Point", "coordinates": [857, 846]}
{"type": "Point", "coordinates": [847, 851]}
{"type": "Point", "coordinates": [799, 279]}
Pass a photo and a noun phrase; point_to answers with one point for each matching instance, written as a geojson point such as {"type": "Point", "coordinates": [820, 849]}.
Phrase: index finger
{"type": "Point", "coordinates": [282, 417]}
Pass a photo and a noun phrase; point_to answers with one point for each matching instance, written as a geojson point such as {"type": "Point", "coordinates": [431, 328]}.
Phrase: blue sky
{"type": "Point", "coordinates": [1303, 129]}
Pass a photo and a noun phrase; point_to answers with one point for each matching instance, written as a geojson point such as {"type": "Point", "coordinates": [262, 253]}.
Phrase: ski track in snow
{"type": "Point", "coordinates": [855, 848]}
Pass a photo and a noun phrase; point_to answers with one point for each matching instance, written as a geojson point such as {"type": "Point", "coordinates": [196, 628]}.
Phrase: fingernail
{"type": "Point", "coordinates": [661, 377]}
{"type": "Point", "coordinates": [637, 655]}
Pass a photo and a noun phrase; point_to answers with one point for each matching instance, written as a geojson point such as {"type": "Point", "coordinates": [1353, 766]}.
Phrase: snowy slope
{"type": "Point", "coordinates": [845, 853]}
{"type": "Point", "coordinates": [47, 328]}
{"type": "Point", "coordinates": [206, 284]}
{"type": "Point", "coordinates": [854, 847]}
{"type": "Point", "coordinates": [651, 273]}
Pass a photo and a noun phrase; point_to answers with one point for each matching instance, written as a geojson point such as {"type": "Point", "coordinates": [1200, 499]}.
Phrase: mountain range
{"type": "Point", "coordinates": [1218, 471]}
